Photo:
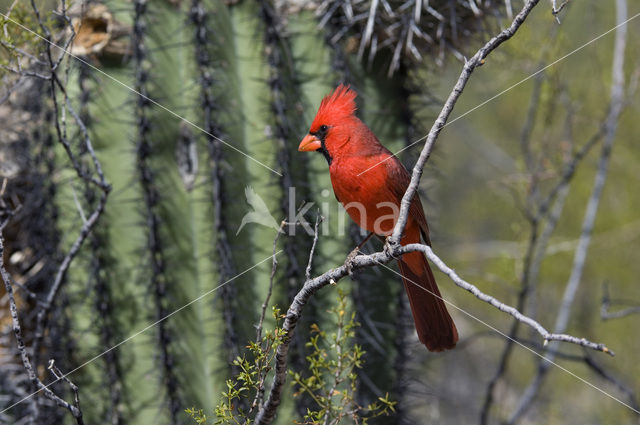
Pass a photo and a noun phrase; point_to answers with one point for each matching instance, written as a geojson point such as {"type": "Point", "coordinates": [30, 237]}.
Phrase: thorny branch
{"type": "Point", "coordinates": [408, 31]}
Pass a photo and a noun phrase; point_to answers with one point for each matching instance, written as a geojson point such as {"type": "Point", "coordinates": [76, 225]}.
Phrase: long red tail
{"type": "Point", "coordinates": [435, 327]}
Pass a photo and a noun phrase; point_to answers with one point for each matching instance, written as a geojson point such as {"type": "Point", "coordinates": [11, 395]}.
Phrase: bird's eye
{"type": "Point", "coordinates": [324, 128]}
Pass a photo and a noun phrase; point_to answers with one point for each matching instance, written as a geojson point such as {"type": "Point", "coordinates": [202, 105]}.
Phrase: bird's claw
{"type": "Point", "coordinates": [390, 247]}
{"type": "Point", "coordinates": [349, 261]}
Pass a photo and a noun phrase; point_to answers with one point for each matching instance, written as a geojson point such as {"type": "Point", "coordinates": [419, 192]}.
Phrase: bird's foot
{"type": "Point", "coordinates": [349, 261]}
{"type": "Point", "coordinates": [390, 247]}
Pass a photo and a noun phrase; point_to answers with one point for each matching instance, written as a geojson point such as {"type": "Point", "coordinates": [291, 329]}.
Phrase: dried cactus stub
{"type": "Point", "coordinates": [93, 30]}
{"type": "Point", "coordinates": [98, 33]}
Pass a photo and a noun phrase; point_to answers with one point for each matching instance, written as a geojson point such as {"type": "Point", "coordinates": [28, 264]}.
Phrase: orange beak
{"type": "Point", "coordinates": [310, 143]}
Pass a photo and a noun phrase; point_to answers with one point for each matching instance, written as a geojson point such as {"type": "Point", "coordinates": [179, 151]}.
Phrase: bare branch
{"type": "Point", "coordinates": [268, 410]}
{"type": "Point", "coordinates": [87, 227]}
{"type": "Point", "coordinates": [274, 266]}
{"type": "Point", "coordinates": [547, 213]}
{"type": "Point", "coordinates": [74, 388]}
{"type": "Point", "coordinates": [469, 66]}
{"type": "Point", "coordinates": [319, 220]}
{"type": "Point", "coordinates": [22, 349]}
{"type": "Point", "coordinates": [100, 182]}
{"type": "Point", "coordinates": [605, 314]}
{"type": "Point", "coordinates": [544, 333]}
{"type": "Point", "coordinates": [623, 388]}
{"type": "Point", "coordinates": [579, 259]}
{"type": "Point", "coordinates": [60, 110]}
{"type": "Point", "coordinates": [555, 9]}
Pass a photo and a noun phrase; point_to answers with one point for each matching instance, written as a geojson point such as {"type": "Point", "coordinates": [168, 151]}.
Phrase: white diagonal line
{"type": "Point", "coordinates": [515, 341]}
{"type": "Point", "coordinates": [140, 94]}
{"type": "Point", "coordinates": [129, 338]}
{"type": "Point", "coordinates": [577, 49]}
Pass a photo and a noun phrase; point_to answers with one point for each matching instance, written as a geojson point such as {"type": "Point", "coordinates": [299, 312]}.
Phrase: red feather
{"type": "Point", "coordinates": [340, 103]}
{"type": "Point", "coordinates": [363, 190]}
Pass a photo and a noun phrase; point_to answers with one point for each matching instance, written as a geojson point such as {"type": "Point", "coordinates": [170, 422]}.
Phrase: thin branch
{"type": "Point", "coordinates": [469, 66]}
{"type": "Point", "coordinates": [544, 333]}
{"type": "Point", "coordinates": [86, 229]}
{"type": "Point", "coordinates": [268, 410]}
{"type": "Point", "coordinates": [555, 9]}
{"type": "Point", "coordinates": [605, 314]}
{"type": "Point", "coordinates": [569, 171]}
{"type": "Point", "coordinates": [101, 183]}
{"type": "Point", "coordinates": [319, 219]}
{"type": "Point", "coordinates": [22, 349]}
{"type": "Point", "coordinates": [549, 212]}
{"type": "Point", "coordinates": [336, 376]}
{"type": "Point", "coordinates": [274, 266]}
{"type": "Point", "coordinates": [622, 387]}
{"type": "Point", "coordinates": [579, 259]}
{"type": "Point", "coordinates": [74, 388]}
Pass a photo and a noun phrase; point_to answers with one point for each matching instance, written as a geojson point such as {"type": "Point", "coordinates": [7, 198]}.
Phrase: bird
{"type": "Point", "coordinates": [370, 182]}
{"type": "Point", "coordinates": [260, 213]}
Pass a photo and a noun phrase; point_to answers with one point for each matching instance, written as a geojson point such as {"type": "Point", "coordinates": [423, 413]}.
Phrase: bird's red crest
{"type": "Point", "coordinates": [336, 106]}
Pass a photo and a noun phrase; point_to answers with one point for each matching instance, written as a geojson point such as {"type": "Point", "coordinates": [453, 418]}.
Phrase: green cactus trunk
{"type": "Point", "coordinates": [222, 94]}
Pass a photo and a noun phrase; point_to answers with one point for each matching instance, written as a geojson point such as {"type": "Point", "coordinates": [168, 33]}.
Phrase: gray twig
{"type": "Point", "coordinates": [544, 333]}
{"type": "Point", "coordinates": [274, 266]}
{"type": "Point", "coordinates": [319, 219]}
{"type": "Point", "coordinates": [579, 259]}
{"type": "Point", "coordinates": [605, 314]}
{"type": "Point", "coordinates": [469, 66]}
{"type": "Point", "coordinates": [74, 388]}
{"type": "Point", "coordinates": [22, 349]}
{"type": "Point", "coordinates": [555, 9]}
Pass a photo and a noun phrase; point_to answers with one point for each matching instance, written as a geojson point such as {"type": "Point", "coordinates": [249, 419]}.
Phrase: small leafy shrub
{"type": "Point", "coordinates": [330, 381]}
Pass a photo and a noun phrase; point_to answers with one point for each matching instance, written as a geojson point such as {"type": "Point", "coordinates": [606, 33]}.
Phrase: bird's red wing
{"type": "Point", "coordinates": [398, 182]}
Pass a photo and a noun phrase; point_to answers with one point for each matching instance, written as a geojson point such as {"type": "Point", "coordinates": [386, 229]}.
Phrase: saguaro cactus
{"type": "Point", "coordinates": [206, 98]}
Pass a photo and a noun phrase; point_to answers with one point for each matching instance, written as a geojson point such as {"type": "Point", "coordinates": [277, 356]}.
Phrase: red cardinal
{"type": "Point", "coordinates": [372, 198]}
